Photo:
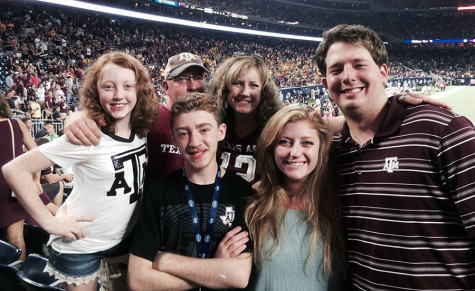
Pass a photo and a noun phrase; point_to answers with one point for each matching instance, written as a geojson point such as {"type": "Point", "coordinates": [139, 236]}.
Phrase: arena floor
{"type": "Point", "coordinates": [461, 98]}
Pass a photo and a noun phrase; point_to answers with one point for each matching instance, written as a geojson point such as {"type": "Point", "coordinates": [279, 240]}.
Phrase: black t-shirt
{"type": "Point", "coordinates": [11, 103]}
{"type": "Point", "coordinates": [165, 220]}
{"type": "Point", "coordinates": [56, 115]}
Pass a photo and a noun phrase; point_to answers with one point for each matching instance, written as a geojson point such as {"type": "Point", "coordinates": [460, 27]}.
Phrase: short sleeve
{"type": "Point", "coordinates": [65, 154]}
{"type": "Point", "coordinates": [457, 160]}
{"type": "Point", "coordinates": [147, 238]}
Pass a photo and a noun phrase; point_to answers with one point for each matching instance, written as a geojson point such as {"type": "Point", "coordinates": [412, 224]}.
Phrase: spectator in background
{"type": "Point", "coordinates": [11, 97]}
{"type": "Point", "coordinates": [49, 103]}
{"type": "Point", "coordinates": [36, 109]}
{"type": "Point", "coordinates": [40, 94]}
{"type": "Point", "coordinates": [63, 106]}
{"type": "Point", "coordinates": [69, 88]}
{"type": "Point", "coordinates": [9, 82]}
{"type": "Point", "coordinates": [12, 214]}
{"type": "Point", "coordinates": [57, 114]}
{"type": "Point", "coordinates": [53, 183]}
{"type": "Point", "coordinates": [29, 124]}
{"type": "Point", "coordinates": [34, 80]}
{"type": "Point", "coordinates": [50, 130]}
{"type": "Point", "coordinates": [58, 93]}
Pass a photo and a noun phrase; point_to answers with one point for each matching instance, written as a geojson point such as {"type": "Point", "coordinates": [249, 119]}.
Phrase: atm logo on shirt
{"type": "Point", "coordinates": [228, 216]}
{"type": "Point", "coordinates": [391, 164]}
{"type": "Point", "coordinates": [129, 173]}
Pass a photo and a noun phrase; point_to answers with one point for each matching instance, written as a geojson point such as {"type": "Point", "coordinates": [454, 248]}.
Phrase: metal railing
{"type": "Point", "coordinates": [39, 123]}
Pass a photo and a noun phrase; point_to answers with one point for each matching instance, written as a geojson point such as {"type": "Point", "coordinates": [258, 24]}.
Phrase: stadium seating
{"type": "Point", "coordinates": [36, 239]}
{"type": "Point", "coordinates": [33, 276]}
{"type": "Point", "coordinates": [9, 280]}
{"type": "Point", "coordinates": [9, 264]}
{"type": "Point", "coordinates": [8, 253]}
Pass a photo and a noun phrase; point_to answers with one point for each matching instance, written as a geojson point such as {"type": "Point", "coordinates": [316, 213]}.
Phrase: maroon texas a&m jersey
{"type": "Point", "coordinates": [237, 155]}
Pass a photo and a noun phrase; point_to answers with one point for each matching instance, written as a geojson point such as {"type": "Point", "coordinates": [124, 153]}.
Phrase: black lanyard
{"type": "Point", "coordinates": [202, 247]}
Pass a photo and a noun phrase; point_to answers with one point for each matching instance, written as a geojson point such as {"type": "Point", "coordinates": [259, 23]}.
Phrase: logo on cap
{"type": "Point", "coordinates": [187, 57]}
{"type": "Point", "coordinates": [179, 63]}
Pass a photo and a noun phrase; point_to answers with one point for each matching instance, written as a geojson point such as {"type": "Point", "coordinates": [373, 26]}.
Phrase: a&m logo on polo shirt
{"type": "Point", "coordinates": [390, 164]}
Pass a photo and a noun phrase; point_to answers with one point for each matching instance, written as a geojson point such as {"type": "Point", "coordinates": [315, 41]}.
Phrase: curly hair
{"type": "Point", "coordinates": [145, 113]}
{"type": "Point", "coordinates": [229, 71]}
{"type": "Point", "coordinates": [355, 35]}
{"type": "Point", "coordinates": [266, 211]}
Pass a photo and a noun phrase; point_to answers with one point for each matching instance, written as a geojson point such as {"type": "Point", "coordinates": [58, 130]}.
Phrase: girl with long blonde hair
{"type": "Point", "coordinates": [294, 218]}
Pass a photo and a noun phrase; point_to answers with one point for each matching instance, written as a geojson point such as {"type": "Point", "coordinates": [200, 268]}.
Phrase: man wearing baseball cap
{"type": "Point", "coordinates": [184, 73]}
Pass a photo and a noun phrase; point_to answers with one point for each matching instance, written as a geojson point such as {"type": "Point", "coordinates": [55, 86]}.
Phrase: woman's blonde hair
{"type": "Point", "coordinates": [145, 113]}
{"type": "Point", "coordinates": [229, 71]}
{"type": "Point", "coordinates": [266, 211]}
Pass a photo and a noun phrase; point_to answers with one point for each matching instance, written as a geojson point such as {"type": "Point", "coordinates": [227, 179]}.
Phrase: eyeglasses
{"type": "Point", "coordinates": [185, 79]}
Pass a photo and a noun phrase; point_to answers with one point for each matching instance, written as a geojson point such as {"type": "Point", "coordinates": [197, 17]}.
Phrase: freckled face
{"type": "Point", "coordinates": [117, 93]}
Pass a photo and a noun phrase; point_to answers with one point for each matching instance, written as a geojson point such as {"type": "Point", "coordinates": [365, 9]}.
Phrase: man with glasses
{"type": "Point", "coordinates": [184, 73]}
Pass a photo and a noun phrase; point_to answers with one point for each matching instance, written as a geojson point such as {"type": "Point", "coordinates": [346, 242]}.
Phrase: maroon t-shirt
{"type": "Point", "coordinates": [164, 157]}
{"type": "Point", "coordinates": [49, 102]}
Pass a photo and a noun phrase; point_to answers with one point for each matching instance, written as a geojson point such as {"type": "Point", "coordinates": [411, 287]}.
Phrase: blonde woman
{"type": "Point", "coordinates": [294, 218]}
{"type": "Point", "coordinates": [243, 85]}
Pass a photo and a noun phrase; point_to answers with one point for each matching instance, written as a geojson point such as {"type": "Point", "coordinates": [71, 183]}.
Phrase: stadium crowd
{"type": "Point", "coordinates": [46, 53]}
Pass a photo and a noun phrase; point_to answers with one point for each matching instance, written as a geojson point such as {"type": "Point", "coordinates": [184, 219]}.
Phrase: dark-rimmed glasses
{"type": "Point", "coordinates": [185, 79]}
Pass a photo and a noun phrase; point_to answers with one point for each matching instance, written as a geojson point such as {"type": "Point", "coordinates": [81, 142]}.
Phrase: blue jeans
{"type": "Point", "coordinates": [81, 268]}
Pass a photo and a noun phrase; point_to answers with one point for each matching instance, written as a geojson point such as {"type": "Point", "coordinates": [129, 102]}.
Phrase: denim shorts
{"type": "Point", "coordinates": [81, 268]}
